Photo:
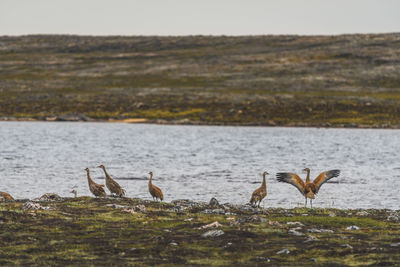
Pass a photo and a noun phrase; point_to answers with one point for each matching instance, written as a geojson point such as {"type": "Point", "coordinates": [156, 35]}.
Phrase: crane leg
{"type": "Point", "coordinates": [305, 205]}
{"type": "Point", "coordinates": [311, 202]}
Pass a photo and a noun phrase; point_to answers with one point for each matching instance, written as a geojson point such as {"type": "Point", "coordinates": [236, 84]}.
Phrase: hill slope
{"type": "Point", "coordinates": [348, 80]}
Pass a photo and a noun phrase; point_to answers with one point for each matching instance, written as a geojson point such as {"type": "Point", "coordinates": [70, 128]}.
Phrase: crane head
{"type": "Point", "coordinates": [101, 166]}
{"type": "Point", "coordinates": [265, 173]}
{"type": "Point", "coordinates": [306, 169]}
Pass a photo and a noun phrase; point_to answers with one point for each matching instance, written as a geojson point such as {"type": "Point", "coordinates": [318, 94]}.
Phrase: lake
{"type": "Point", "coordinates": [200, 162]}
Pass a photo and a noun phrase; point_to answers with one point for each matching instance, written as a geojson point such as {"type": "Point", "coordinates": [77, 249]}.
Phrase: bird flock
{"type": "Point", "coordinates": [307, 188]}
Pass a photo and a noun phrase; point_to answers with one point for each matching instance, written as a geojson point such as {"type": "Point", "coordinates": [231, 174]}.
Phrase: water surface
{"type": "Point", "coordinates": [200, 162]}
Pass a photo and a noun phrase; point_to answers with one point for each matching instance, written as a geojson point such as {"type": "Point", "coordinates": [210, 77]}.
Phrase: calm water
{"type": "Point", "coordinates": [200, 162]}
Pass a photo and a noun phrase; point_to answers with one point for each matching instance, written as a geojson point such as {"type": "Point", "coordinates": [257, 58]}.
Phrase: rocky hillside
{"type": "Point", "coordinates": [346, 80]}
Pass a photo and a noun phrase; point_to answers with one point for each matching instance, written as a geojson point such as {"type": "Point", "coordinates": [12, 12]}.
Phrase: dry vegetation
{"type": "Point", "coordinates": [348, 80]}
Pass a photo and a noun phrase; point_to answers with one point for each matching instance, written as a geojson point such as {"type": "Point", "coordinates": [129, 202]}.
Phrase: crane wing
{"type": "Point", "coordinates": [323, 177]}
{"type": "Point", "coordinates": [292, 179]}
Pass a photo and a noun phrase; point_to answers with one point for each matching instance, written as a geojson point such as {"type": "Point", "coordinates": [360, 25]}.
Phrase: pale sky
{"type": "Point", "coordinates": [206, 17]}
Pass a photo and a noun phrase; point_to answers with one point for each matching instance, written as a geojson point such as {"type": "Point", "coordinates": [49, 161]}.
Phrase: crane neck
{"type": "Point", "coordinates": [308, 176]}
{"type": "Point", "coordinates": [151, 178]}
{"type": "Point", "coordinates": [264, 183]}
{"type": "Point", "coordinates": [88, 177]}
{"type": "Point", "coordinates": [105, 172]}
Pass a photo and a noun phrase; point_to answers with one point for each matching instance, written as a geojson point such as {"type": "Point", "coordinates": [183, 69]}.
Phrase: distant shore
{"type": "Point", "coordinates": [302, 81]}
{"type": "Point", "coordinates": [189, 122]}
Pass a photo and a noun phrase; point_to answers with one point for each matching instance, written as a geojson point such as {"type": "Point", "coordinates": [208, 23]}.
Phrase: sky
{"type": "Point", "coordinates": [201, 17]}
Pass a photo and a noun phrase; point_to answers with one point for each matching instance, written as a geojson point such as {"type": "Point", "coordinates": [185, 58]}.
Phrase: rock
{"type": "Point", "coordinates": [214, 211]}
{"type": "Point", "coordinates": [139, 208]}
{"type": "Point", "coordinates": [116, 206]}
{"type": "Point", "coordinates": [295, 233]}
{"type": "Point", "coordinates": [188, 220]}
{"type": "Point", "coordinates": [347, 246]}
{"type": "Point", "coordinates": [173, 244]}
{"type": "Point", "coordinates": [315, 230]}
{"type": "Point", "coordinates": [33, 206]}
{"type": "Point", "coordinates": [394, 217]}
{"type": "Point", "coordinates": [295, 223]}
{"type": "Point", "coordinates": [395, 244]}
{"type": "Point", "coordinates": [332, 214]}
{"type": "Point", "coordinates": [311, 239]}
{"type": "Point", "coordinates": [362, 213]}
{"type": "Point", "coordinates": [213, 233]}
{"type": "Point", "coordinates": [49, 197]}
{"type": "Point", "coordinates": [188, 203]}
{"type": "Point", "coordinates": [313, 260]}
{"type": "Point", "coordinates": [214, 202]}
{"type": "Point", "coordinates": [214, 224]}
{"type": "Point", "coordinates": [283, 251]}
{"type": "Point", "coordinates": [259, 258]}
{"type": "Point", "coordinates": [252, 219]}
{"type": "Point", "coordinates": [353, 227]}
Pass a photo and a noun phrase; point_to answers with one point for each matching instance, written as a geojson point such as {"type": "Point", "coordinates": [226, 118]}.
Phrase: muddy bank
{"type": "Point", "coordinates": [189, 122]}
{"type": "Point", "coordinates": [108, 231]}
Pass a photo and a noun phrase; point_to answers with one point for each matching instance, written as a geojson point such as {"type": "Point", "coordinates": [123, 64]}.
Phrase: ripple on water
{"type": "Point", "coordinates": [200, 162]}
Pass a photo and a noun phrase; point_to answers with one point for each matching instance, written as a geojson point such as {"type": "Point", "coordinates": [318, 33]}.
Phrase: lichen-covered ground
{"type": "Point", "coordinates": [344, 80]}
{"type": "Point", "coordinates": [110, 231]}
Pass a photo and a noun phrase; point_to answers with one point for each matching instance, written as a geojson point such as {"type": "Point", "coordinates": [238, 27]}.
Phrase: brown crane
{"type": "Point", "coordinates": [308, 189]}
{"type": "Point", "coordinates": [6, 196]}
{"type": "Point", "coordinates": [260, 193]}
{"type": "Point", "coordinates": [112, 185]}
{"type": "Point", "coordinates": [96, 189]}
{"type": "Point", "coordinates": [155, 192]}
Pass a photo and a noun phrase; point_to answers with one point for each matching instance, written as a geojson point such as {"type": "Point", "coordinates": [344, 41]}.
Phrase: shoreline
{"type": "Point", "coordinates": [200, 123]}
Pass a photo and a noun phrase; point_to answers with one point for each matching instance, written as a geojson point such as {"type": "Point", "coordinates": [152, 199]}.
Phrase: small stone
{"type": "Point", "coordinates": [173, 244]}
{"type": "Point", "coordinates": [139, 208]}
{"type": "Point", "coordinates": [395, 244]}
{"type": "Point", "coordinates": [315, 230]}
{"type": "Point", "coordinates": [214, 202]}
{"type": "Point", "coordinates": [214, 211]}
{"type": "Point", "coordinates": [353, 227]}
{"type": "Point", "coordinates": [295, 223]}
{"type": "Point", "coordinates": [311, 239]}
{"type": "Point", "coordinates": [362, 213]}
{"type": "Point", "coordinates": [213, 233]}
{"type": "Point", "coordinates": [332, 214]}
{"type": "Point", "coordinates": [49, 197]}
{"type": "Point", "coordinates": [295, 233]}
{"type": "Point", "coordinates": [394, 217]}
{"type": "Point", "coordinates": [283, 251]}
{"type": "Point", "coordinates": [116, 206]}
{"type": "Point", "coordinates": [258, 258]}
{"type": "Point", "coordinates": [33, 206]}
{"type": "Point", "coordinates": [313, 260]}
{"type": "Point", "coordinates": [188, 220]}
{"type": "Point", "coordinates": [347, 246]}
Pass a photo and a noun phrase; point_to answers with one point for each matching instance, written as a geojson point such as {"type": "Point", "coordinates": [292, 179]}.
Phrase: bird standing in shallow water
{"type": "Point", "coordinates": [96, 189]}
{"type": "Point", "coordinates": [308, 189]}
{"type": "Point", "coordinates": [112, 185]}
{"type": "Point", "coordinates": [6, 196]}
{"type": "Point", "coordinates": [260, 193]}
{"type": "Point", "coordinates": [155, 192]}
